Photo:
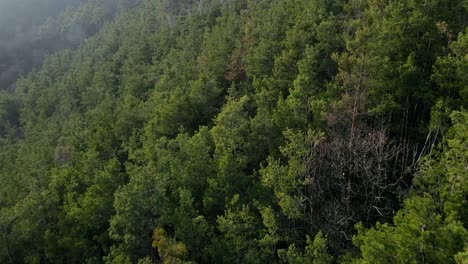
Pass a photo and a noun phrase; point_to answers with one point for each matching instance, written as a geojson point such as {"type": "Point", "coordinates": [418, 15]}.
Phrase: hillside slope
{"type": "Point", "coordinates": [239, 131]}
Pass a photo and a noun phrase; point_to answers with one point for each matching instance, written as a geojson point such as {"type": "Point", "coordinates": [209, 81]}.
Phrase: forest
{"type": "Point", "coordinates": [234, 131]}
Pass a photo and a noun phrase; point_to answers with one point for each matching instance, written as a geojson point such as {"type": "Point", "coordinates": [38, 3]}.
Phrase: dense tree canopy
{"type": "Point", "coordinates": [233, 131]}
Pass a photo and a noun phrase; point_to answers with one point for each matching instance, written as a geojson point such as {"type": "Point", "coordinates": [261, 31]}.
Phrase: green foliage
{"type": "Point", "coordinates": [233, 131]}
{"type": "Point", "coordinates": [239, 227]}
{"type": "Point", "coordinates": [169, 250]}
{"type": "Point", "coordinates": [315, 252]}
{"type": "Point", "coordinates": [9, 113]}
{"type": "Point", "coordinates": [431, 225]}
{"type": "Point", "coordinates": [420, 234]}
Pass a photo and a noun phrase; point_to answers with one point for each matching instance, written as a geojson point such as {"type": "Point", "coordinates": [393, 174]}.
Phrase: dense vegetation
{"type": "Point", "coordinates": [235, 131]}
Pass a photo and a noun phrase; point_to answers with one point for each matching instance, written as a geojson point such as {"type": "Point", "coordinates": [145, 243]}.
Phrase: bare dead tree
{"type": "Point", "coordinates": [351, 176]}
